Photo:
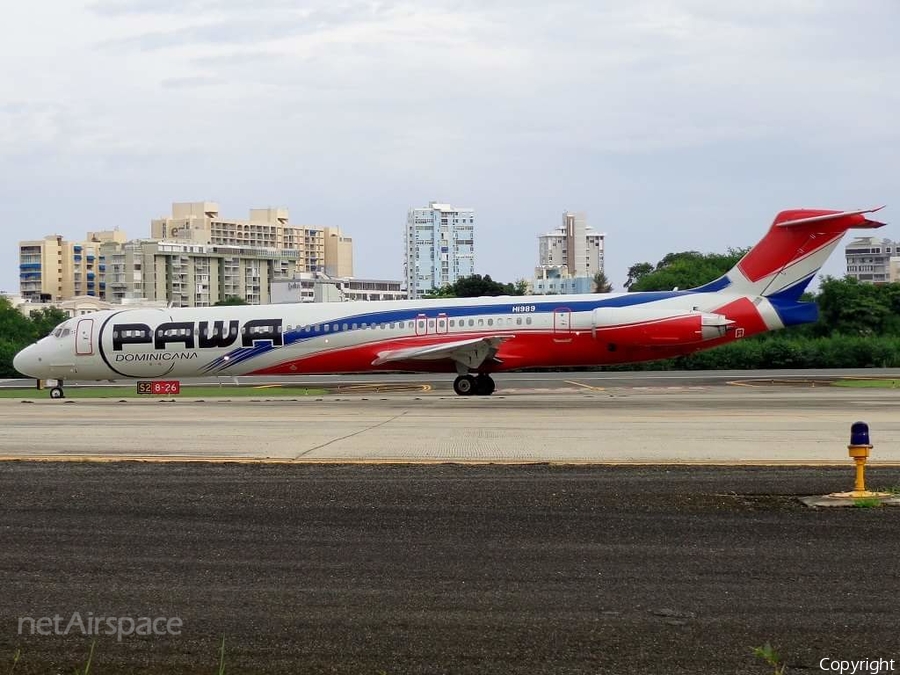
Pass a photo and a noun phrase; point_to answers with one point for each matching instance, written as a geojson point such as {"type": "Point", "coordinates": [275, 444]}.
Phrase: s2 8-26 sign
{"type": "Point", "coordinates": [159, 387]}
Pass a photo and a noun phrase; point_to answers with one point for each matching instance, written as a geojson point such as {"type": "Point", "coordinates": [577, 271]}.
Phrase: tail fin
{"type": "Point", "coordinates": [796, 246]}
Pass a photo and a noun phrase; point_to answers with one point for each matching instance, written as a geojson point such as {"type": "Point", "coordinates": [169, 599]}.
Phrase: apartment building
{"type": "Point", "coordinates": [569, 257]}
{"type": "Point", "coordinates": [574, 245]}
{"type": "Point", "coordinates": [188, 274]}
{"type": "Point", "coordinates": [194, 258]}
{"type": "Point", "coordinates": [440, 247]}
{"type": "Point", "coordinates": [53, 269]}
{"type": "Point", "coordinates": [873, 259]}
{"type": "Point", "coordinates": [320, 248]}
{"type": "Point", "coordinates": [338, 253]}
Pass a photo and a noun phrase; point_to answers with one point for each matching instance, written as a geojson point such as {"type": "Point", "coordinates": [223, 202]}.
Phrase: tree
{"type": "Point", "coordinates": [475, 286]}
{"type": "Point", "coordinates": [850, 307]}
{"type": "Point", "coordinates": [17, 331]}
{"type": "Point", "coordinates": [636, 272]}
{"type": "Point", "coordinates": [45, 319]}
{"type": "Point", "coordinates": [686, 269]}
{"type": "Point", "coordinates": [601, 283]}
{"type": "Point", "coordinates": [230, 301]}
{"type": "Point", "coordinates": [520, 287]}
{"type": "Point", "coordinates": [15, 327]}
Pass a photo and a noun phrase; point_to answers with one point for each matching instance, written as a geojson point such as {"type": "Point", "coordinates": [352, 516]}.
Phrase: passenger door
{"type": "Point", "coordinates": [84, 337]}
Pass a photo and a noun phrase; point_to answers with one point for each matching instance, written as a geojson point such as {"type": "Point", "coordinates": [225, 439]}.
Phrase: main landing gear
{"type": "Point", "coordinates": [469, 385]}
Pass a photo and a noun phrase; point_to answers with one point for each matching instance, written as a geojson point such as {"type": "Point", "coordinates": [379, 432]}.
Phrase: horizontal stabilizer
{"type": "Point", "coordinates": [863, 224]}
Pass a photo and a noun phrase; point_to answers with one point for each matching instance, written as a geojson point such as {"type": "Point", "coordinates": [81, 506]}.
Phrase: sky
{"type": "Point", "coordinates": [675, 125]}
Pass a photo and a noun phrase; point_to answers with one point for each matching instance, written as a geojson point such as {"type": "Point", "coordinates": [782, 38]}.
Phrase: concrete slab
{"type": "Point", "coordinates": [714, 426]}
{"type": "Point", "coordinates": [846, 501]}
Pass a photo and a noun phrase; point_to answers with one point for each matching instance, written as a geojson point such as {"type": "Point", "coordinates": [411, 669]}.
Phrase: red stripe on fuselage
{"type": "Point", "coordinates": [528, 349]}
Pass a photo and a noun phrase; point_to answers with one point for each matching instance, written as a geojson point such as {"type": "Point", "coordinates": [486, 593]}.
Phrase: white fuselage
{"type": "Point", "coordinates": [343, 337]}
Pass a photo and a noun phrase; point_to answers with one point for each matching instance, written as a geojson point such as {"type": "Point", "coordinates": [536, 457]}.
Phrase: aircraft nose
{"type": "Point", "coordinates": [25, 361]}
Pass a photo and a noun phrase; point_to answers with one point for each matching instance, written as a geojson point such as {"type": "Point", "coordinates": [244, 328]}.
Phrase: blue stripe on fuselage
{"type": "Point", "coordinates": [719, 284]}
{"type": "Point", "coordinates": [242, 354]}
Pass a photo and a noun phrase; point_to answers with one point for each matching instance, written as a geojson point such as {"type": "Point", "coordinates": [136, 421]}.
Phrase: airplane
{"type": "Point", "coordinates": [471, 337]}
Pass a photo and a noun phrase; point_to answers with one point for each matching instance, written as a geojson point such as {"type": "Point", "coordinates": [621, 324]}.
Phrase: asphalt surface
{"type": "Point", "coordinates": [556, 379]}
{"type": "Point", "coordinates": [445, 569]}
{"type": "Point", "coordinates": [748, 424]}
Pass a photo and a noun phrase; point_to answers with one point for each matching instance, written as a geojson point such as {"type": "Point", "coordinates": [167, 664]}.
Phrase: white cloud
{"type": "Point", "coordinates": [351, 112]}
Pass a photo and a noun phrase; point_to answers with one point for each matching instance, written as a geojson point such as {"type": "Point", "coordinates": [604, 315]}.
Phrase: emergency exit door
{"type": "Point", "coordinates": [562, 321]}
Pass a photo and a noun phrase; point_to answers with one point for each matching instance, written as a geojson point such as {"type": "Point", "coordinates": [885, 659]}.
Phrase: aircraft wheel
{"type": "Point", "coordinates": [464, 385]}
{"type": "Point", "coordinates": [485, 385]}
{"type": "Point", "coordinates": [57, 392]}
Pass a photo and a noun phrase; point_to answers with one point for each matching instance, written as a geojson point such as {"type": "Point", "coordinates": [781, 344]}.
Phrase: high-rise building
{"type": "Point", "coordinates": [872, 259]}
{"type": "Point", "coordinates": [201, 222]}
{"type": "Point", "coordinates": [440, 247]}
{"type": "Point", "coordinates": [569, 257]}
{"type": "Point", "coordinates": [53, 269]}
{"type": "Point", "coordinates": [338, 253]}
{"type": "Point", "coordinates": [574, 245]}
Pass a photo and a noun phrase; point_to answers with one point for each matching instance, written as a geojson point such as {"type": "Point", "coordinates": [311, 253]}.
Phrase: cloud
{"type": "Point", "coordinates": [351, 112]}
{"type": "Point", "coordinates": [190, 82]}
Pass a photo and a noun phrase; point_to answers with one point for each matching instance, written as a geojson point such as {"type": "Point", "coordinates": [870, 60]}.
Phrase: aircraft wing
{"type": "Point", "coordinates": [471, 353]}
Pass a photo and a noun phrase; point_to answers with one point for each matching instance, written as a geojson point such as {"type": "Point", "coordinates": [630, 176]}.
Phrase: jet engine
{"type": "Point", "coordinates": [645, 327]}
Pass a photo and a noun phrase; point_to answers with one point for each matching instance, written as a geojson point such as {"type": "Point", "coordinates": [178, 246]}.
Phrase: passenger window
{"type": "Point", "coordinates": [471, 322]}
{"type": "Point", "coordinates": [431, 323]}
{"type": "Point", "coordinates": [528, 320]}
{"type": "Point", "coordinates": [327, 327]}
{"type": "Point", "coordinates": [392, 325]}
{"type": "Point", "coordinates": [480, 322]}
{"type": "Point", "coordinates": [519, 321]}
{"type": "Point", "coordinates": [490, 322]}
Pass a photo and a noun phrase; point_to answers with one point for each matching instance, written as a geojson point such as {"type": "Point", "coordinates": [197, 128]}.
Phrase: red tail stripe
{"type": "Point", "coordinates": [782, 245]}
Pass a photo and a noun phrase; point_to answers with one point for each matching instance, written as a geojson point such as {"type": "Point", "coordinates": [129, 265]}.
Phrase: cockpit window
{"type": "Point", "coordinates": [61, 331]}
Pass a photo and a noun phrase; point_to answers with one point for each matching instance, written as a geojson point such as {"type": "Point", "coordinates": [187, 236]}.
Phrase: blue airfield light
{"type": "Point", "coordinates": [859, 434]}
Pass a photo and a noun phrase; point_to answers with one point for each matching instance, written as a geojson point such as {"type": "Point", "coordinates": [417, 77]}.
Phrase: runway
{"type": "Point", "coordinates": [753, 424]}
{"type": "Point", "coordinates": [518, 381]}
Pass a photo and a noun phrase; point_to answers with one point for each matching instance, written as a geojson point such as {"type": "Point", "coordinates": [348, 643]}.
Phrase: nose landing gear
{"type": "Point", "coordinates": [468, 385]}
{"type": "Point", "coordinates": [57, 390]}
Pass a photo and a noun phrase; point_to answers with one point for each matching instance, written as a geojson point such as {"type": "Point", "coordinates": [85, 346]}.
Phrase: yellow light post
{"type": "Point", "coordinates": [859, 452]}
